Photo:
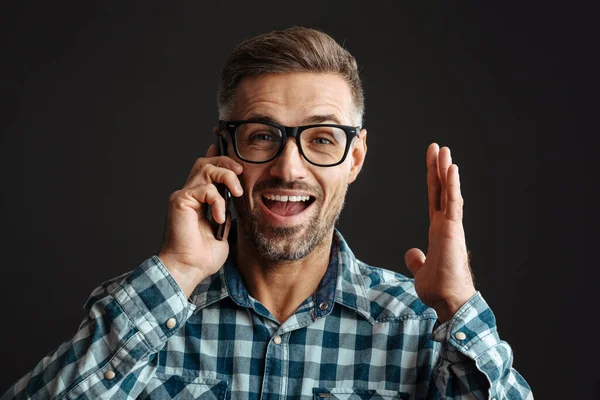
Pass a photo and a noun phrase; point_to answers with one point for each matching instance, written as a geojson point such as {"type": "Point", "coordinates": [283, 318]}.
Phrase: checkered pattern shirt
{"type": "Point", "coordinates": [363, 334]}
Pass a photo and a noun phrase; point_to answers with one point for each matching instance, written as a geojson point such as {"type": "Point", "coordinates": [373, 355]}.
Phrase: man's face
{"type": "Point", "coordinates": [289, 230]}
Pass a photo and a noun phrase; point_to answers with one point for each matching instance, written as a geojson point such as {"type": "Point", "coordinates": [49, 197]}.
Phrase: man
{"type": "Point", "coordinates": [281, 308]}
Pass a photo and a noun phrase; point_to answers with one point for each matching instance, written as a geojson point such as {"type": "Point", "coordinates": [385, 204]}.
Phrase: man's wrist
{"type": "Point", "coordinates": [186, 277]}
{"type": "Point", "coordinates": [445, 310]}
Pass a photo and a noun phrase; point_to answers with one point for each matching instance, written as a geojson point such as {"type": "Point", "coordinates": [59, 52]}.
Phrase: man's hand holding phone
{"type": "Point", "coordinates": [190, 250]}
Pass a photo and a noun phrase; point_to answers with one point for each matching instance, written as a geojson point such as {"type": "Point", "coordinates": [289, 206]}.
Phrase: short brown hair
{"type": "Point", "coordinates": [296, 49]}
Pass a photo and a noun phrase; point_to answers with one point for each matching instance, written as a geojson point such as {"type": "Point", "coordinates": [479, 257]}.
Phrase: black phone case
{"type": "Point", "coordinates": [219, 229]}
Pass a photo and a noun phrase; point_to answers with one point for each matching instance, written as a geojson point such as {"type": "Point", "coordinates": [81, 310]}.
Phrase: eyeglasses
{"type": "Point", "coordinates": [324, 145]}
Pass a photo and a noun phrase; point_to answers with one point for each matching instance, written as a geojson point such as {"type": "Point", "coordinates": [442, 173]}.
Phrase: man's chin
{"type": "Point", "coordinates": [280, 243]}
{"type": "Point", "coordinates": [276, 232]}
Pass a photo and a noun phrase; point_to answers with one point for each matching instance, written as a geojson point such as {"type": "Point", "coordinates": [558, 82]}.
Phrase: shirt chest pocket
{"type": "Point", "coordinates": [167, 387]}
{"type": "Point", "coordinates": [357, 394]}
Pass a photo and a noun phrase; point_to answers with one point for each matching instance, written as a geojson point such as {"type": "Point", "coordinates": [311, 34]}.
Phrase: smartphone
{"type": "Point", "coordinates": [219, 229]}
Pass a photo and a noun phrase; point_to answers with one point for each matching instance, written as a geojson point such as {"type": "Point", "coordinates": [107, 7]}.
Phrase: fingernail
{"type": "Point", "coordinates": [239, 188]}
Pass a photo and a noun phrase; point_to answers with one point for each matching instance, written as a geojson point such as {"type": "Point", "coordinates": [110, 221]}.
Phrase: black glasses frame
{"type": "Point", "coordinates": [289, 131]}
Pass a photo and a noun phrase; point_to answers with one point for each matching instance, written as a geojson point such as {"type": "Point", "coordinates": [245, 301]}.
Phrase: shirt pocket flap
{"type": "Point", "coordinates": [357, 394]}
{"type": "Point", "coordinates": [168, 387]}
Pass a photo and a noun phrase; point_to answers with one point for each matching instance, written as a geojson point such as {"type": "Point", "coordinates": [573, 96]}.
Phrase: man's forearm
{"type": "Point", "coordinates": [128, 320]}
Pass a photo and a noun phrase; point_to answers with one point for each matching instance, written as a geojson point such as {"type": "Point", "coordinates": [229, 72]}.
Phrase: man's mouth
{"type": "Point", "coordinates": [287, 205]}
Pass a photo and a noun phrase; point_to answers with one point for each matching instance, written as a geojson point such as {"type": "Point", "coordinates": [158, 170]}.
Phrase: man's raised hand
{"type": "Point", "coordinates": [443, 278]}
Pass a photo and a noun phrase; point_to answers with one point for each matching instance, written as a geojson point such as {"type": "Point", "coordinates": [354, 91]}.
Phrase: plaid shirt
{"type": "Point", "coordinates": [363, 334]}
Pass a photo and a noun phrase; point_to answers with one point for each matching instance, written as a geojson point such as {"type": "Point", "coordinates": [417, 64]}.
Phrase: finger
{"type": "Point", "coordinates": [434, 187]}
{"type": "Point", "coordinates": [219, 161]}
{"type": "Point", "coordinates": [225, 170]}
{"type": "Point", "coordinates": [414, 259]}
{"type": "Point", "coordinates": [212, 157]}
{"type": "Point", "coordinates": [212, 151]}
{"type": "Point", "coordinates": [444, 162]}
{"type": "Point", "coordinates": [214, 174]}
{"type": "Point", "coordinates": [454, 208]}
{"type": "Point", "coordinates": [198, 197]}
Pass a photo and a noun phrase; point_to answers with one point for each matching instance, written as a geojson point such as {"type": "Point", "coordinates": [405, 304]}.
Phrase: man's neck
{"type": "Point", "coordinates": [282, 286]}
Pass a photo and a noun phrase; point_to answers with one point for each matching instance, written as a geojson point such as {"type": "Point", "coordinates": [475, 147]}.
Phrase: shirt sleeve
{"type": "Point", "coordinates": [474, 363]}
{"type": "Point", "coordinates": [113, 353]}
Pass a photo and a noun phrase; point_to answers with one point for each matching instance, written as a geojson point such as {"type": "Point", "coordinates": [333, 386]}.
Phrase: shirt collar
{"type": "Point", "coordinates": [342, 283]}
{"type": "Point", "coordinates": [350, 288]}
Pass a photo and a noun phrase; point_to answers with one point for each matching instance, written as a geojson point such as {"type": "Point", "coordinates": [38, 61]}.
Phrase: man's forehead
{"type": "Point", "coordinates": [306, 120]}
{"type": "Point", "coordinates": [294, 98]}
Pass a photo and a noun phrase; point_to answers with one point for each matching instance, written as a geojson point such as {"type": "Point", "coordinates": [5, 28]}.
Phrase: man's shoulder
{"type": "Point", "coordinates": [391, 295]}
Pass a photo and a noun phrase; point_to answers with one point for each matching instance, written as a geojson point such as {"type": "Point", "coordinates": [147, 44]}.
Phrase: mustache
{"type": "Point", "coordinates": [277, 183]}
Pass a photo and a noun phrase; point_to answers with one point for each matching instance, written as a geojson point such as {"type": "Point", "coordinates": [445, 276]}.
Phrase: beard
{"type": "Point", "coordinates": [280, 244]}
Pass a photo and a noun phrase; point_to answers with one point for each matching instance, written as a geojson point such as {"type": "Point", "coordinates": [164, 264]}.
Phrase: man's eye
{"type": "Point", "coordinates": [321, 140]}
{"type": "Point", "coordinates": [262, 137]}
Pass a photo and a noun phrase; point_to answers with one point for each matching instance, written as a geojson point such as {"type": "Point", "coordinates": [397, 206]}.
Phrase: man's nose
{"type": "Point", "coordinates": [289, 165]}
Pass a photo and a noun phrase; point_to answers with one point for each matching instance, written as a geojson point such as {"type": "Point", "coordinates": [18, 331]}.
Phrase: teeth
{"type": "Point", "coordinates": [276, 197]}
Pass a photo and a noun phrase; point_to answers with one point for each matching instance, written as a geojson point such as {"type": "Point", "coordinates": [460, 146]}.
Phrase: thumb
{"type": "Point", "coordinates": [414, 259]}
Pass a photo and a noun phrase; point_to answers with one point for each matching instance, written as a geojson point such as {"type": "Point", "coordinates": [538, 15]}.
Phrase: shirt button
{"type": "Point", "coordinates": [277, 340]}
{"type": "Point", "coordinates": [323, 306]}
{"type": "Point", "coordinates": [109, 375]}
{"type": "Point", "coordinates": [460, 336]}
{"type": "Point", "coordinates": [171, 322]}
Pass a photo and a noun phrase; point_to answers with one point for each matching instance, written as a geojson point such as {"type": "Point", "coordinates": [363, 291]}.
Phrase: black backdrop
{"type": "Point", "coordinates": [106, 106]}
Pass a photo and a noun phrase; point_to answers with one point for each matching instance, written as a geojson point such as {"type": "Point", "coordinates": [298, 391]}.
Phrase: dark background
{"type": "Point", "coordinates": [106, 105]}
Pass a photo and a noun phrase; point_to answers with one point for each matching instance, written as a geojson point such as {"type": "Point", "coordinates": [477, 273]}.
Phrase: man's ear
{"type": "Point", "coordinates": [358, 152]}
{"type": "Point", "coordinates": [228, 148]}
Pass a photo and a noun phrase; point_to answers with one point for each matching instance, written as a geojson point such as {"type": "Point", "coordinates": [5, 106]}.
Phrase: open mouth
{"type": "Point", "coordinates": [287, 205]}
